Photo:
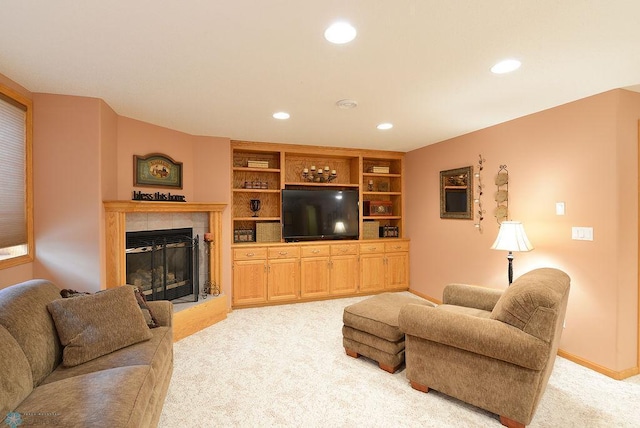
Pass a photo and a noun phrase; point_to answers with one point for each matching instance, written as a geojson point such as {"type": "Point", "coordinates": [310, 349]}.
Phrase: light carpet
{"type": "Point", "coordinates": [285, 366]}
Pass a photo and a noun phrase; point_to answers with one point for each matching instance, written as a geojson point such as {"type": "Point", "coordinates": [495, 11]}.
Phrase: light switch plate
{"type": "Point", "coordinates": [559, 208]}
{"type": "Point", "coordinates": [582, 233]}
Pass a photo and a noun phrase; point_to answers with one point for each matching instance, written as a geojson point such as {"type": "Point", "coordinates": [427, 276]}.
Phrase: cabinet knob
{"type": "Point", "coordinates": [283, 253]}
{"type": "Point", "coordinates": [250, 254]}
{"type": "Point", "coordinates": [397, 247]}
{"type": "Point", "coordinates": [315, 251]}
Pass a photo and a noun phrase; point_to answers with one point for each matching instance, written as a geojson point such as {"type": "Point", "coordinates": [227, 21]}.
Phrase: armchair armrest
{"type": "Point", "coordinates": [162, 310]}
{"type": "Point", "coordinates": [491, 338]}
{"type": "Point", "coordinates": [471, 296]}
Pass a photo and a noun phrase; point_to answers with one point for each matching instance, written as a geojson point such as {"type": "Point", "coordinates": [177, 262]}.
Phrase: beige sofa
{"type": "Point", "coordinates": [491, 349]}
{"type": "Point", "coordinates": [45, 383]}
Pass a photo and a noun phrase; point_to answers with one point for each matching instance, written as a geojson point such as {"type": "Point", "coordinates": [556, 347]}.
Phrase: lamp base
{"type": "Point", "coordinates": [510, 271]}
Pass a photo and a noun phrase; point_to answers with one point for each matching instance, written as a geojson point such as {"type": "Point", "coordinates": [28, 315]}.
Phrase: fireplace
{"type": "Point", "coordinates": [164, 264]}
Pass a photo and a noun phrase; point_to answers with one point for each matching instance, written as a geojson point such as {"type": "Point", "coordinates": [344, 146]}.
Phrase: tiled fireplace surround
{"type": "Point", "coordinates": [199, 222]}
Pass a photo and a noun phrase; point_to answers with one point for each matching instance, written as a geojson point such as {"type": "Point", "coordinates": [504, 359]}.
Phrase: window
{"type": "Point", "coordinates": [16, 203]}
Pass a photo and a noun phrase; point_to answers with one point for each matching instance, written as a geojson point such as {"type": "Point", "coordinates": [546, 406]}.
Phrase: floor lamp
{"type": "Point", "coordinates": [511, 237]}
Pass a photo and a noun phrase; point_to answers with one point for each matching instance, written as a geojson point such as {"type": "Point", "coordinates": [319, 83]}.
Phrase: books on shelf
{"type": "Point", "coordinates": [257, 164]}
{"type": "Point", "coordinates": [379, 169]}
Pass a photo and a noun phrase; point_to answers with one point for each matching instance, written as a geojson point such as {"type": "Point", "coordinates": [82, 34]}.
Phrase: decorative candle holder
{"type": "Point", "coordinates": [320, 175]}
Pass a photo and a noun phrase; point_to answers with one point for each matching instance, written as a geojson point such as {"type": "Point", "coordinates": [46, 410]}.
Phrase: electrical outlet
{"type": "Point", "coordinates": [582, 233]}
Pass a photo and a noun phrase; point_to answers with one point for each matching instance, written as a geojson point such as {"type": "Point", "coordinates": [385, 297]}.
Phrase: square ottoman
{"type": "Point", "coordinates": [371, 329]}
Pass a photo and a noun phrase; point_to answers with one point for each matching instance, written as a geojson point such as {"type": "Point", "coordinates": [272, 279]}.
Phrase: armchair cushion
{"type": "Point", "coordinates": [482, 336]}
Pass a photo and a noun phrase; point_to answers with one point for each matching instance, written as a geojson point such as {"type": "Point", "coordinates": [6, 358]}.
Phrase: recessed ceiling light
{"type": "Point", "coordinates": [506, 66]}
{"type": "Point", "coordinates": [282, 115]}
{"type": "Point", "coordinates": [384, 126]}
{"type": "Point", "coordinates": [340, 32]}
{"type": "Point", "coordinates": [347, 104]}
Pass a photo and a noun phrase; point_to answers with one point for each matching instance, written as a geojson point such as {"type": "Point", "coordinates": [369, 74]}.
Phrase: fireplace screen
{"type": "Point", "coordinates": [164, 263]}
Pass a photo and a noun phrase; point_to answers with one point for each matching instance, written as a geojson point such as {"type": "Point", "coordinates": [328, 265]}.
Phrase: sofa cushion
{"type": "Point", "coordinates": [23, 312]}
{"type": "Point", "coordinates": [95, 325]}
{"type": "Point", "coordinates": [16, 381]}
{"type": "Point", "coordinates": [154, 352]}
{"type": "Point", "coordinates": [532, 302]}
{"type": "Point", "coordinates": [118, 397]}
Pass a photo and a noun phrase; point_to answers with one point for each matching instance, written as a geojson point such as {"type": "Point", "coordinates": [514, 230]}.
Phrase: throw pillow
{"type": "Point", "coordinates": [151, 321]}
{"type": "Point", "coordinates": [95, 325]}
{"type": "Point", "coordinates": [67, 292]}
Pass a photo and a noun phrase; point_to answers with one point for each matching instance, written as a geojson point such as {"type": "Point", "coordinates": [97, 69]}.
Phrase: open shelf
{"type": "Point", "coordinates": [286, 162]}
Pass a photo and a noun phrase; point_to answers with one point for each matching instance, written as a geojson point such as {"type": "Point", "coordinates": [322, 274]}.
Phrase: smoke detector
{"type": "Point", "coordinates": [347, 104]}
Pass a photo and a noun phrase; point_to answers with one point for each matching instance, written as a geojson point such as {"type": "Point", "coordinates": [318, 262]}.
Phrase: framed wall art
{"type": "Point", "coordinates": [456, 193]}
{"type": "Point", "coordinates": [156, 170]}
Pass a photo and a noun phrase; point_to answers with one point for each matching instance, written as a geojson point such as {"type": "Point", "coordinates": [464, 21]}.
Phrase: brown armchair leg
{"type": "Point", "coordinates": [510, 423]}
{"type": "Point", "coordinates": [418, 386]}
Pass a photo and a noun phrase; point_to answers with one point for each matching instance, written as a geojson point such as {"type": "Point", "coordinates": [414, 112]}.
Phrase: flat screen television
{"type": "Point", "coordinates": [317, 214]}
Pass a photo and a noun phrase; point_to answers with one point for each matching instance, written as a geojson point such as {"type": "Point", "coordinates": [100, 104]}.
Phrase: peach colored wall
{"type": "Point", "coordinates": [584, 154]}
{"type": "Point", "coordinates": [108, 172]}
{"type": "Point", "coordinates": [213, 184]}
{"type": "Point", "coordinates": [141, 138]}
{"type": "Point", "coordinates": [205, 162]}
{"type": "Point", "coordinates": [67, 190]}
{"type": "Point", "coordinates": [23, 272]}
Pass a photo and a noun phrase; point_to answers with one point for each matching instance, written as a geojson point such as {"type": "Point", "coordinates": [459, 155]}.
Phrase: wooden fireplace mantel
{"type": "Point", "coordinates": [115, 233]}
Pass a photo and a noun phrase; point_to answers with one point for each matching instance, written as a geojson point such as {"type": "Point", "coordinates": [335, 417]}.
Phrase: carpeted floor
{"type": "Point", "coordinates": [285, 366]}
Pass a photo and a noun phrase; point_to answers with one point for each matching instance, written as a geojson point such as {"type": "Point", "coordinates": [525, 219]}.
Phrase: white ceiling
{"type": "Point", "coordinates": [221, 68]}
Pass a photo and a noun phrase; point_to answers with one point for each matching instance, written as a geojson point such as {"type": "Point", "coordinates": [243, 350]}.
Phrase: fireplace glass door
{"type": "Point", "coordinates": [163, 263]}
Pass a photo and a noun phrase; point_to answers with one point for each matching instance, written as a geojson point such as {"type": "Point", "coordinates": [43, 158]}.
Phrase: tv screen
{"type": "Point", "coordinates": [315, 214]}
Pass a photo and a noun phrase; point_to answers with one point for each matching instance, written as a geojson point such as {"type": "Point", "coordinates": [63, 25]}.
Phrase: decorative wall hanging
{"type": "Point", "coordinates": [456, 193]}
{"type": "Point", "coordinates": [478, 198]}
{"type": "Point", "coordinates": [156, 170]}
{"type": "Point", "coordinates": [502, 195]}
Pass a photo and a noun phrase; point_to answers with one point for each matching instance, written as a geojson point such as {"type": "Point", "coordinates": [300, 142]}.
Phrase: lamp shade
{"type": "Point", "coordinates": [511, 237]}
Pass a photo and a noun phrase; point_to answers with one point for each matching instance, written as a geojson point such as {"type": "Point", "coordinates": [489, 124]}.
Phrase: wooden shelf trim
{"type": "Point", "coordinates": [257, 218]}
{"type": "Point", "coordinates": [257, 190]}
{"type": "Point", "coordinates": [247, 169]}
{"type": "Point", "coordinates": [313, 184]}
{"type": "Point", "coordinates": [380, 174]}
{"type": "Point", "coordinates": [153, 206]}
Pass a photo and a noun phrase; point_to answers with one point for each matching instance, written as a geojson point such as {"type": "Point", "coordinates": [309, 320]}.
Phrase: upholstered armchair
{"type": "Point", "coordinates": [492, 349]}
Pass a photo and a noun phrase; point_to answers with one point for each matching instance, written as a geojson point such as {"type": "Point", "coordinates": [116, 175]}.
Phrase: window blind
{"type": "Point", "coordinates": [13, 215]}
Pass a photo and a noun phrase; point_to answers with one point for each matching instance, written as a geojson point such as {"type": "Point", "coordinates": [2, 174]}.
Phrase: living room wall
{"type": "Point", "coordinates": [83, 155]}
{"type": "Point", "coordinates": [584, 154]}
{"type": "Point", "coordinates": [206, 175]}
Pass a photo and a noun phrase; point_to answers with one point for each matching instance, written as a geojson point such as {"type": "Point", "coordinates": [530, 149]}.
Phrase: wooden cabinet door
{"type": "Point", "coordinates": [283, 279]}
{"type": "Point", "coordinates": [249, 282]}
{"type": "Point", "coordinates": [397, 270]}
{"type": "Point", "coordinates": [344, 274]}
{"type": "Point", "coordinates": [372, 272]}
{"type": "Point", "coordinates": [314, 276]}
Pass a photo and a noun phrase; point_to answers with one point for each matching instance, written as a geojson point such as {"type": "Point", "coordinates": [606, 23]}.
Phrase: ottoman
{"type": "Point", "coordinates": [371, 329]}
